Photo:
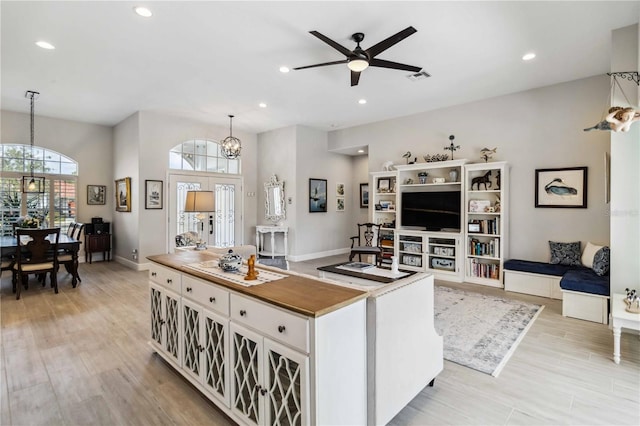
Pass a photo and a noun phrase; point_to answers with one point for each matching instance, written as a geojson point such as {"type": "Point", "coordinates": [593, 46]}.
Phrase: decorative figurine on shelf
{"type": "Point", "coordinates": [633, 301]}
{"type": "Point", "coordinates": [486, 154]}
{"type": "Point", "coordinates": [485, 179]}
{"type": "Point", "coordinates": [496, 206]}
{"type": "Point", "coordinates": [451, 146]}
{"type": "Point", "coordinates": [407, 155]}
{"type": "Point", "coordinates": [387, 166]}
{"type": "Point", "coordinates": [252, 274]}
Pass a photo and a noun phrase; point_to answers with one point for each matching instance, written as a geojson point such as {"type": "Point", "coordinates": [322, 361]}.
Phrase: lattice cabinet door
{"type": "Point", "coordinates": [215, 361]}
{"type": "Point", "coordinates": [192, 339]}
{"type": "Point", "coordinates": [157, 318]}
{"type": "Point", "coordinates": [171, 332]}
{"type": "Point", "coordinates": [286, 379]}
{"type": "Point", "coordinates": [246, 375]}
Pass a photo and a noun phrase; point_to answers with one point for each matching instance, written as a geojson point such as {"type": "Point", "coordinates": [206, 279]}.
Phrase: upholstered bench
{"type": "Point", "coordinates": [536, 278]}
{"type": "Point", "coordinates": [584, 294]}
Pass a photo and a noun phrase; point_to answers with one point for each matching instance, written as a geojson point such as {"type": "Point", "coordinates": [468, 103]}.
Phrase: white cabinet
{"type": "Point", "coordinates": [486, 229]}
{"type": "Point", "coordinates": [434, 252]}
{"type": "Point", "coordinates": [269, 381]}
{"type": "Point", "coordinates": [259, 363]}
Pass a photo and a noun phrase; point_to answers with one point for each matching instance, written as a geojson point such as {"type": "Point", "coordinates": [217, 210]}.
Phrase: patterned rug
{"type": "Point", "coordinates": [278, 262]}
{"type": "Point", "coordinates": [479, 331]}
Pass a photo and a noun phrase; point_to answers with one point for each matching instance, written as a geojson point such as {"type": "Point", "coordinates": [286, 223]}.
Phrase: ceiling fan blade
{"type": "Point", "coordinates": [388, 42]}
{"type": "Point", "coordinates": [355, 78]}
{"type": "Point", "coordinates": [338, 47]}
{"type": "Point", "coordinates": [343, 61]}
{"type": "Point", "coordinates": [381, 63]}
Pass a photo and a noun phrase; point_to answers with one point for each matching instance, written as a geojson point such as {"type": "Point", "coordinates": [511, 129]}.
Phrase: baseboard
{"type": "Point", "coordinates": [132, 265]}
{"type": "Point", "coordinates": [309, 256]}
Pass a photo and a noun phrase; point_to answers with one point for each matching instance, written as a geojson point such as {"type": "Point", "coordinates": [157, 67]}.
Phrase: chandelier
{"type": "Point", "coordinates": [231, 146]}
{"type": "Point", "coordinates": [32, 184]}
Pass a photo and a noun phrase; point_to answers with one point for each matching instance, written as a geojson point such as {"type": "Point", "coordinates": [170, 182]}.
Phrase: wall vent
{"type": "Point", "coordinates": [418, 76]}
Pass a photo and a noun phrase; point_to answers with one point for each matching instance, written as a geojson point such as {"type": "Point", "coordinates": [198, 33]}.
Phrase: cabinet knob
{"type": "Point", "coordinates": [200, 348]}
{"type": "Point", "coordinates": [162, 322]}
{"type": "Point", "coordinates": [260, 389]}
{"type": "Point", "coordinates": [153, 274]}
{"type": "Point", "coordinates": [281, 328]}
{"type": "Point", "coordinates": [243, 312]}
{"type": "Point", "coordinates": [212, 299]}
{"type": "Point", "coordinates": [169, 280]}
{"type": "Point", "coordinates": [189, 289]}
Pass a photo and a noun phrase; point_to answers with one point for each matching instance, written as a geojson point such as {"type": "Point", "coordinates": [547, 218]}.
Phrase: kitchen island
{"type": "Point", "coordinates": [290, 350]}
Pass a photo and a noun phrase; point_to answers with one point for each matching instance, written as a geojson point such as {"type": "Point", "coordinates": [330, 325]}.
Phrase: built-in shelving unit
{"type": "Point", "coordinates": [486, 214]}
{"type": "Point", "coordinates": [382, 203]}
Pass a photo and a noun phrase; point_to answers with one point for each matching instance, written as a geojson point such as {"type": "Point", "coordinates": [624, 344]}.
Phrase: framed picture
{"type": "Point", "coordinates": [96, 195]}
{"type": "Point", "coordinates": [364, 195]}
{"type": "Point", "coordinates": [384, 185]}
{"type": "Point", "coordinates": [340, 189]}
{"type": "Point", "coordinates": [340, 204]}
{"type": "Point", "coordinates": [123, 195]}
{"type": "Point", "coordinates": [153, 194]}
{"type": "Point", "coordinates": [317, 195]}
{"type": "Point", "coordinates": [473, 227]}
{"type": "Point", "coordinates": [561, 187]}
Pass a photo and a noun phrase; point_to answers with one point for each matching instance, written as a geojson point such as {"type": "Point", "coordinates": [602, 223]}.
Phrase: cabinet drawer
{"type": "Point", "coordinates": [207, 294]}
{"type": "Point", "coordinates": [167, 277]}
{"type": "Point", "coordinates": [271, 321]}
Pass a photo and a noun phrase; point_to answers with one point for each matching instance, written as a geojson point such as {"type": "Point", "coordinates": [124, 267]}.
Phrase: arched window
{"type": "Point", "coordinates": [56, 206]}
{"type": "Point", "coordinates": [202, 156]}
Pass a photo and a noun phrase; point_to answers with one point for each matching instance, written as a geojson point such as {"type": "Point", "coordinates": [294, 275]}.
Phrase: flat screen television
{"type": "Point", "coordinates": [433, 211]}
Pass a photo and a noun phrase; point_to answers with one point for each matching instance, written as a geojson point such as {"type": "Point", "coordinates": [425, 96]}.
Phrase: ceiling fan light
{"type": "Point", "coordinates": [358, 64]}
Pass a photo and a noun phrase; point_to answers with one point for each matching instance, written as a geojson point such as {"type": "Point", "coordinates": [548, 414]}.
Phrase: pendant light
{"type": "Point", "coordinates": [32, 184]}
{"type": "Point", "coordinates": [231, 146]}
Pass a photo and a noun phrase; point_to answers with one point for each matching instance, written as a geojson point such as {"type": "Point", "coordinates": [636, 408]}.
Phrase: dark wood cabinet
{"type": "Point", "coordinates": [97, 243]}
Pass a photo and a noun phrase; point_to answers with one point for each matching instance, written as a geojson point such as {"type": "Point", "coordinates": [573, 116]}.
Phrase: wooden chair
{"type": "Point", "coordinates": [65, 257]}
{"type": "Point", "coordinates": [367, 242]}
{"type": "Point", "coordinates": [37, 253]}
{"type": "Point", "coordinates": [71, 228]}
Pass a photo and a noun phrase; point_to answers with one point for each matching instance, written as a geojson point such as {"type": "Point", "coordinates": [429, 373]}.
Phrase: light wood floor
{"type": "Point", "coordinates": [81, 358]}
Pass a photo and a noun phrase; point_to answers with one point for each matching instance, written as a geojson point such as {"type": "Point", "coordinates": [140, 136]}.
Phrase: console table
{"type": "Point", "coordinates": [271, 229]}
{"type": "Point", "coordinates": [621, 319]}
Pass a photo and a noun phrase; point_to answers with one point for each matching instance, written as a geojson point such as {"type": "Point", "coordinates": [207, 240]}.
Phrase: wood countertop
{"type": "Point", "coordinates": [304, 295]}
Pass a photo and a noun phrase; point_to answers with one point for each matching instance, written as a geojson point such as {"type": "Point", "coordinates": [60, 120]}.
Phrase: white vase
{"type": "Point", "coordinates": [394, 265]}
{"type": "Point", "coordinates": [453, 175]}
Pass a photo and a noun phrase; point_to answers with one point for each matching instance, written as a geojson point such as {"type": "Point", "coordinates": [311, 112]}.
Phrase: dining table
{"type": "Point", "coordinates": [9, 244]}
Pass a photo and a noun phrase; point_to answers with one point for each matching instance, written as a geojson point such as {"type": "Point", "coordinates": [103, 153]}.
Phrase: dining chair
{"type": "Point", "coordinates": [37, 253]}
{"type": "Point", "coordinates": [367, 242]}
{"type": "Point", "coordinates": [65, 257]}
{"type": "Point", "coordinates": [71, 228]}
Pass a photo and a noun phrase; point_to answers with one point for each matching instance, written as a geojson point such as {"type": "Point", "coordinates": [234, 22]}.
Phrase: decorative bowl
{"type": "Point", "coordinates": [230, 262]}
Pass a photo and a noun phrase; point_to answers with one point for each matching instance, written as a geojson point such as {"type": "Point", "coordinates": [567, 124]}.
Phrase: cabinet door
{"type": "Point", "coordinates": [246, 372]}
{"type": "Point", "coordinates": [191, 343]}
{"type": "Point", "coordinates": [157, 318]}
{"type": "Point", "coordinates": [215, 360]}
{"type": "Point", "coordinates": [286, 384]}
{"type": "Point", "coordinates": [171, 334]}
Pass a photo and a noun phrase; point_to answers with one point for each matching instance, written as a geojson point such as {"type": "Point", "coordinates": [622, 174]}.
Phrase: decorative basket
{"type": "Point", "coordinates": [632, 307]}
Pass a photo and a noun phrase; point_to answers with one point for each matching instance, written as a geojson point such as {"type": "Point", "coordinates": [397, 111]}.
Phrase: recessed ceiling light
{"type": "Point", "coordinates": [262, 105]}
{"type": "Point", "coordinates": [528, 56]}
{"type": "Point", "coordinates": [143, 11]}
{"type": "Point", "coordinates": [362, 101]}
{"type": "Point", "coordinates": [360, 151]}
{"type": "Point", "coordinates": [45, 45]}
{"type": "Point", "coordinates": [284, 69]}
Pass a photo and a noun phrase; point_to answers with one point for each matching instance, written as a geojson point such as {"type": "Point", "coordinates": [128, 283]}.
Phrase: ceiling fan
{"type": "Point", "coordinates": [358, 59]}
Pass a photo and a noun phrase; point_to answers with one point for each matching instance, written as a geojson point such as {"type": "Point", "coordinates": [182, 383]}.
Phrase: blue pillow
{"type": "Point", "coordinates": [601, 261]}
{"type": "Point", "coordinates": [565, 253]}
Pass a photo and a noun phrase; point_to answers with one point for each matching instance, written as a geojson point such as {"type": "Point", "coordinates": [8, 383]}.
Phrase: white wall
{"type": "Point", "coordinates": [360, 171]}
{"type": "Point", "coordinates": [88, 144]}
{"type": "Point", "coordinates": [541, 128]}
{"type": "Point", "coordinates": [277, 153]}
{"type": "Point", "coordinates": [320, 234]}
{"type": "Point", "coordinates": [125, 227]}
{"type": "Point", "coordinates": [625, 170]}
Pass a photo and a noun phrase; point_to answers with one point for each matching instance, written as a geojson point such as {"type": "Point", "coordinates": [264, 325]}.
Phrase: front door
{"type": "Point", "coordinates": [222, 228]}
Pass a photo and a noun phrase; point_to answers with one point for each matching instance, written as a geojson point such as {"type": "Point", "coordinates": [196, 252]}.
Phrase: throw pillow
{"type": "Point", "coordinates": [565, 253]}
{"type": "Point", "coordinates": [587, 255]}
{"type": "Point", "coordinates": [601, 261]}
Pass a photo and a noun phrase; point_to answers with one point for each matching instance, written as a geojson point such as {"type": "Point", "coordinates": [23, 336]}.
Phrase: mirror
{"type": "Point", "coordinates": [274, 210]}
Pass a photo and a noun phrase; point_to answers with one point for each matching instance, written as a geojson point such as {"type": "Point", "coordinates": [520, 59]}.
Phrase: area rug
{"type": "Point", "coordinates": [480, 331]}
{"type": "Point", "coordinates": [278, 262]}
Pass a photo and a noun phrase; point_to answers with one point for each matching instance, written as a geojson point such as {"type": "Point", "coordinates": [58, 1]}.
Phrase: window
{"type": "Point", "coordinates": [202, 156]}
{"type": "Point", "coordinates": [57, 206]}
